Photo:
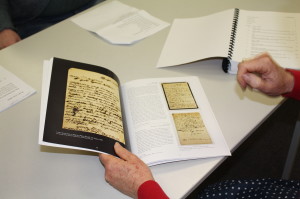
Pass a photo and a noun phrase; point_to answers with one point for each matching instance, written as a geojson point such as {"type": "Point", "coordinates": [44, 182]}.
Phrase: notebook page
{"type": "Point", "coordinates": [273, 32]}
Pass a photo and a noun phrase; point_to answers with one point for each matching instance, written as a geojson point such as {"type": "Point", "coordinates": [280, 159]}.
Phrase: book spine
{"type": "Point", "coordinates": [226, 61]}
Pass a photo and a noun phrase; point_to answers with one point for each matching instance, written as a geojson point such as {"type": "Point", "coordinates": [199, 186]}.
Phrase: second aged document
{"type": "Point", "coordinates": [191, 129]}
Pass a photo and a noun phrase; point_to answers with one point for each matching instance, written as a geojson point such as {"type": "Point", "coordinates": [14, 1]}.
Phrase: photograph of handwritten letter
{"type": "Point", "coordinates": [81, 107]}
{"type": "Point", "coordinates": [93, 104]}
{"type": "Point", "coordinates": [191, 129]}
{"type": "Point", "coordinates": [179, 95]}
{"type": "Point", "coordinates": [84, 107]}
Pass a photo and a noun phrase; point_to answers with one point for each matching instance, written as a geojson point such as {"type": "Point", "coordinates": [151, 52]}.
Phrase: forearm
{"type": "Point", "coordinates": [151, 189]}
{"type": "Point", "coordinates": [5, 18]}
{"type": "Point", "coordinates": [8, 35]}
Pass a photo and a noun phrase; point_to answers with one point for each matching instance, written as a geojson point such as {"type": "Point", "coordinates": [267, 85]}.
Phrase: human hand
{"type": "Point", "coordinates": [264, 74]}
{"type": "Point", "coordinates": [8, 37]}
{"type": "Point", "coordinates": [127, 173]}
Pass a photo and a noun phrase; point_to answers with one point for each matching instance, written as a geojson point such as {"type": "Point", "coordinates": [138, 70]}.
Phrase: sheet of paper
{"type": "Point", "coordinates": [12, 89]}
{"type": "Point", "coordinates": [119, 23]}
{"type": "Point", "coordinates": [193, 39]}
{"type": "Point", "coordinates": [273, 32]}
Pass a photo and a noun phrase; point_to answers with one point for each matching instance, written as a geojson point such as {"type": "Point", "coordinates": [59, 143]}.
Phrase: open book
{"type": "Point", "coordinates": [234, 34]}
{"type": "Point", "coordinates": [160, 120]}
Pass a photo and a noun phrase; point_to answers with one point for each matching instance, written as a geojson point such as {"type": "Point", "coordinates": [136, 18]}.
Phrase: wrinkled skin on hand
{"type": "Point", "coordinates": [126, 173]}
{"type": "Point", "coordinates": [264, 74]}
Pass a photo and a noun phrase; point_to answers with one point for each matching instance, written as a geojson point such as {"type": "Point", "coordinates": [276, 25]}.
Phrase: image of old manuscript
{"type": "Point", "coordinates": [191, 129]}
{"type": "Point", "coordinates": [92, 104]}
{"type": "Point", "coordinates": [179, 96]}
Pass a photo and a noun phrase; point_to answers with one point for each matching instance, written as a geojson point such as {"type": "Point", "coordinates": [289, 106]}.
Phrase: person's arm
{"type": "Point", "coordinates": [130, 175]}
{"type": "Point", "coordinates": [264, 74]}
{"type": "Point", "coordinates": [150, 190]}
{"type": "Point", "coordinates": [8, 35]}
{"type": "Point", "coordinates": [295, 93]}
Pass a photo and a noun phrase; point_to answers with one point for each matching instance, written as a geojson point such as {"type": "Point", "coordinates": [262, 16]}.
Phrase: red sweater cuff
{"type": "Point", "coordinates": [151, 189]}
{"type": "Point", "coordinates": [296, 89]}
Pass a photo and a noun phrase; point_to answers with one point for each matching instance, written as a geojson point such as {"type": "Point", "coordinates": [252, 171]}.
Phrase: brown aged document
{"type": "Point", "coordinates": [92, 104]}
{"type": "Point", "coordinates": [191, 129]}
{"type": "Point", "coordinates": [179, 96]}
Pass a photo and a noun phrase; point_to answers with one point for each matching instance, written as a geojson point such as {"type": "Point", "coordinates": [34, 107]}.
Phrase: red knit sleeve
{"type": "Point", "coordinates": [296, 90]}
{"type": "Point", "coordinates": [151, 190]}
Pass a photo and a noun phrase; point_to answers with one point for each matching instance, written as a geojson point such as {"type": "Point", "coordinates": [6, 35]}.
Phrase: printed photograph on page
{"type": "Point", "coordinates": [191, 129]}
{"type": "Point", "coordinates": [179, 96]}
{"type": "Point", "coordinates": [92, 104]}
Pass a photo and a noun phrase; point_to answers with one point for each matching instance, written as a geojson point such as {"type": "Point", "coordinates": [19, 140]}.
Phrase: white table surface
{"type": "Point", "coordinates": [28, 170]}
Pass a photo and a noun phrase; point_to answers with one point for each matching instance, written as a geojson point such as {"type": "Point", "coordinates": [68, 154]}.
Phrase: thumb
{"type": "Point", "coordinates": [103, 157]}
{"type": "Point", "coordinates": [252, 80]}
{"type": "Point", "coordinates": [122, 152]}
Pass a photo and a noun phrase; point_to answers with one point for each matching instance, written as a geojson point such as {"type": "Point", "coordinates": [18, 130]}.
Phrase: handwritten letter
{"type": "Point", "coordinates": [92, 104]}
{"type": "Point", "coordinates": [179, 96]}
{"type": "Point", "coordinates": [191, 129]}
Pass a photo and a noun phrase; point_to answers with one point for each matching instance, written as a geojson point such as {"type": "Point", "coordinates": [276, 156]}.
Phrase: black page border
{"type": "Point", "coordinates": [183, 108]}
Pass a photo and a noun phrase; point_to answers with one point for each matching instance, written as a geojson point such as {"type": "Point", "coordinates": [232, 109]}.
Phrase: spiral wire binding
{"type": "Point", "coordinates": [226, 61]}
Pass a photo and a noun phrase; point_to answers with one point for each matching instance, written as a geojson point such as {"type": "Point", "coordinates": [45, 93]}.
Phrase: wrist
{"type": "Point", "coordinates": [295, 93]}
{"type": "Point", "coordinates": [151, 189]}
{"type": "Point", "coordinates": [290, 81]}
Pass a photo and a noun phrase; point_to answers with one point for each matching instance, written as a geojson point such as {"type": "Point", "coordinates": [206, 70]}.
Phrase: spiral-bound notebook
{"type": "Point", "coordinates": [234, 35]}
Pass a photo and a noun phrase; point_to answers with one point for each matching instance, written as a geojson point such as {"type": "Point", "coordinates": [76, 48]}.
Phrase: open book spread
{"type": "Point", "coordinates": [12, 89]}
{"type": "Point", "coordinates": [160, 120]}
{"type": "Point", "coordinates": [119, 23]}
{"type": "Point", "coordinates": [234, 34]}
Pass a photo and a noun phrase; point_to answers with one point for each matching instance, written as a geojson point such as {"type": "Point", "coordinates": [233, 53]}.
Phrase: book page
{"type": "Point", "coordinates": [273, 32]}
{"type": "Point", "coordinates": [80, 107]}
{"type": "Point", "coordinates": [193, 39]}
{"type": "Point", "coordinates": [161, 133]}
